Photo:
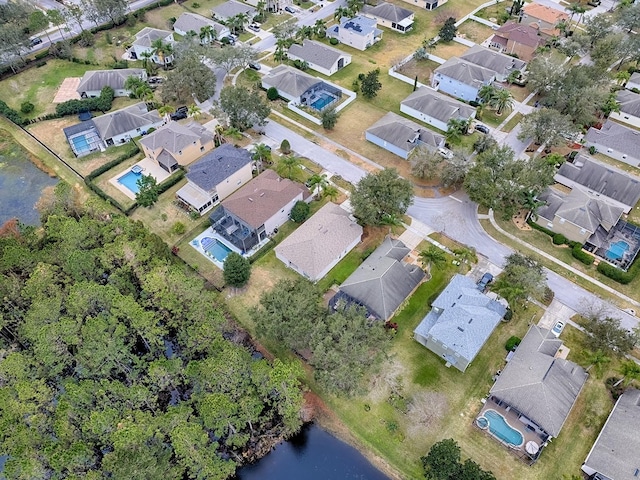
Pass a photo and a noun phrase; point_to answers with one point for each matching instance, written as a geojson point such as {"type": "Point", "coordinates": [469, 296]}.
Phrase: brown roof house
{"type": "Point", "coordinates": [256, 211]}
{"type": "Point", "coordinates": [176, 144]}
{"type": "Point", "coordinates": [544, 18]}
{"type": "Point", "coordinates": [320, 242]}
{"type": "Point", "coordinates": [517, 38]}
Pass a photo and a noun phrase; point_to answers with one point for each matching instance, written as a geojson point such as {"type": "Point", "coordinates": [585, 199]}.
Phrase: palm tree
{"type": "Point", "coordinates": [208, 34]}
{"type": "Point", "coordinates": [147, 64]}
{"type": "Point", "coordinates": [340, 12]}
{"type": "Point", "coordinates": [194, 111]}
{"type": "Point", "coordinates": [597, 359]}
{"type": "Point", "coordinates": [319, 27]}
{"type": "Point", "coordinates": [486, 94]}
{"type": "Point", "coordinates": [289, 164]}
{"type": "Point", "coordinates": [575, 8]}
{"type": "Point", "coordinates": [304, 32]}
{"type": "Point", "coordinates": [218, 136]}
{"type": "Point", "coordinates": [466, 255]}
{"type": "Point", "coordinates": [237, 22]}
{"type": "Point", "coordinates": [503, 100]}
{"type": "Point", "coordinates": [261, 155]}
{"type": "Point", "coordinates": [456, 128]}
{"type": "Point", "coordinates": [432, 255]}
{"type": "Point", "coordinates": [162, 50]}
{"type": "Point", "coordinates": [623, 77]}
{"type": "Point", "coordinates": [166, 111]}
{"type": "Point", "coordinates": [317, 182]}
{"type": "Point", "coordinates": [511, 293]}
{"type": "Point", "coordinates": [261, 7]}
{"type": "Point", "coordinates": [56, 18]}
{"type": "Point", "coordinates": [630, 371]}
{"type": "Point", "coordinates": [331, 192]}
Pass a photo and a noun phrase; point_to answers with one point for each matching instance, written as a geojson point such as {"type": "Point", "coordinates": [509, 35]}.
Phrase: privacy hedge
{"type": "Point", "coordinates": [102, 103]}
{"type": "Point", "coordinates": [619, 275]}
{"type": "Point", "coordinates": [11, 114]}
{"type": "Point", "coordinates": [581, 255]}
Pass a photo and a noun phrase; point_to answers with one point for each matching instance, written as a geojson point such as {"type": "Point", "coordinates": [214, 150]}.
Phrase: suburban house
{"type": "Point", "coordinates": [629, 108]}
{"type": "Point", "coordinates": [320, 243]}
{"type": "Point", "coordinates": [401, 136]}
{"type": "Point", "coordinates": [435, 109]}
{"type": "Point", "coordinates": [192, 22]}
{"type": "Point", "coordinates": [84, 138]}
{"type": "Point", "coordinates": [176, 144]}
{"type": "Point", "coordinates": [427, 4]}
{"type": "Point", "coordinates": [124, 124]}
{"type": "Point", "coordinates": [544, 18]}
{"type": "Point", "coordinates": [461, 79]}
{"type": "Point", "coordinates": [633, 82]}
{"type": "Point", "coordinates": [320, 57]}
{"type": "Point", "coordinates": [616, 141]}
{"type": "Point", "coordinates": [359, 32]}
{"type": "Point", "coordinates": [503, 65]}
{"type": "Point", "coordinates": [517, 39]}
{"type": "Point", "coordinates": [232, 8]}
{"type": "Point", "coordinates": [577, 215]}
{"type": "Point", "coordinates": [461, 320]}
{"type": "Point", "coordinates": [533, 395]}
{"type": "Point", "coordinates": [93, 81]}
{"type": "Point", "coordinates": [390, 16]}
{"type": "Point", "coordinates": [614, 455]}
{"type": "Point", "coordinates": [257, 210]}
{"type": "Point", "coordinates": [382, 282]}
{"type": "Point", "coordinates": [144, 40]}
{"type": "Point", "coordinates": [215, 176]}
{"type": "Point", "coordinates": [271, 5]}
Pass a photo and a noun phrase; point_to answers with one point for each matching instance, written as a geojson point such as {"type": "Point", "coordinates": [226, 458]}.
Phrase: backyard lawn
{"type": "Point", "coordinates": [474, 31]}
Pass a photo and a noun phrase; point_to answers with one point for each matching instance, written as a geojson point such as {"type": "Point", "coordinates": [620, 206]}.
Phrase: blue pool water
{"type": "Point", "coordinates": [499, 427]}
{"type": "Point", "coordinates": [617, 250]}
{"type": "Point", "coordinates": [218, 250]}
{"type": "Point", "coordinates": [322, 102]}
{"type": "Point", "coordinates": [130, 180]}
{"type": "Point", "coordinates": [81, 144]}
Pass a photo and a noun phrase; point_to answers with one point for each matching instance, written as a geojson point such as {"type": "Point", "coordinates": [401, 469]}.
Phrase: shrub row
{"type": "Point", "coordinates": [102, 103]}
{"type": "Point", "coordinates": [263, 251]}
{"type": "Point", "coordinates": [559, 239]}
{"type": "Point", "coordinates": [619, 275]}
{"type": "Point", "coordinates": [581, 255]}
{"type": "Point", "coordinates": [11, 114]}
{"type": "Point", "coordinates": [170, 182]}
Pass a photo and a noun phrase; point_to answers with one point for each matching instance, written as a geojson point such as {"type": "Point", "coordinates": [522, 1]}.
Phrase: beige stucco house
{"type": "Point", "coordinates": [175, 144]}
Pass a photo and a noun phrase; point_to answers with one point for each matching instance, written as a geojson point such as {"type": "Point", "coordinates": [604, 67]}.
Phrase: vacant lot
{"type": "Point", "coordinates": [474, 31]}
{"type": "Point", "coordinates": [423, 69]}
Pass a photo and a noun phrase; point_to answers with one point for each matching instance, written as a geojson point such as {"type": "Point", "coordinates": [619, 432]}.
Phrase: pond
{"type": "Point", "coordinates": [313, 454]}
{"type": "Point", "coordinates": [21, 183]}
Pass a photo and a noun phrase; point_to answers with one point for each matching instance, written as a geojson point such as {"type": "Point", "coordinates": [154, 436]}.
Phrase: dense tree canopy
{"type": "Point", "coordinates": [443, 463]}
{"type": "Point", "coordinates": [245, 108]}
{"type": "Point", "coordinates": [381, 196]}
{"type": "Point", "coordinates": [114, 361]}
{"type": "Point", "coordinates": [189, 79]}
{"type": "Point", "coordinates": [237, 270]}
{"type": "Point", "coordinates": [522, 277]}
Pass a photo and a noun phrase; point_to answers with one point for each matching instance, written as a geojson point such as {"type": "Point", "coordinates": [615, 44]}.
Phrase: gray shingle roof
{"type": "Point", "coordinates": [382, 282]}
{"type": "Point", "coordinates": [316, 53]}
{"type": "Point", "coordinates": [97, 79]}
{"type": "Point", "coordinates": [193, 22]}
{"type": "Point", "coordinates": [261, 198]}
{"type": "Point", "coordinates": [388, 11]}
{"type": "Point", "coordinates": [125, 120]}
{"type": "Point", "coordinates": [617, 137]}
{"type": "Point", "coordinates": [360, 25]}
{"type": "Point", "coordinates": [465, 72]}
{"type": "Point", "coordinates": [232, 8]}
{"type": "Point", "coordinates": [492, 60]}
{"type": "Point", "coordinates": [603, 179]}
{"type": "Point", "coordinates": [635, 78]}
{"type": "Point", "coordinates": [79, 128]}
{"type": "Point", "coordinates": [436, 105]}
{"type": "Point", "coordinates": [463, 318]}
{"type": "Point", "coordinates": [173, 136]}
{"type": "Point", "coordinates": [319, 241]}
{"type": "Point", "coordinates": [290, 80]}
{"type": "Point", "coordinates": [218, 165]}
{"type": "Point", "coordinates": [629, 102]}
{"type": "Point", "coordinates": [148, 35]}
{"type": "Point", "coordinates": [540, 386]}
{"type": "Point", "coordinates": [403, 133]}
{"type": "Point", "coordinates": [616, 452]}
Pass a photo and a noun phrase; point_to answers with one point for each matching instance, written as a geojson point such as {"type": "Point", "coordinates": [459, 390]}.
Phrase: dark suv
{"type": "Point", "coordinates": [482, 128]}
{"type": "Point", "coordinates": [484, 282]}
{"type": "Point", "coordinates": [179, 114]}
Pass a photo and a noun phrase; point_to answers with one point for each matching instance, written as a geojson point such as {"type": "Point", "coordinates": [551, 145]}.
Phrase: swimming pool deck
{"type": "Point", "coordinates": [210, 232]}
{"type": "Point", "coordinates": [149, 167]}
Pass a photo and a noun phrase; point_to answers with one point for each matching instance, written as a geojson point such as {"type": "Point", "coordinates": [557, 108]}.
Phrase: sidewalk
{"type": "Point", "coordinates": [562, 264]}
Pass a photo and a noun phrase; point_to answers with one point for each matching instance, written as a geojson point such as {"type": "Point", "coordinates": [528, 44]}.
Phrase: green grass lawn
{"type": "Point", "coordinates": [342, 270]}
{"type": "Point", "coordinates": [515, 120]}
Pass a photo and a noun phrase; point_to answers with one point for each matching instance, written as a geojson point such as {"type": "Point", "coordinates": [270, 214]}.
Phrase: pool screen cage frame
{"type": "Point", "coordinates": [92, 137]}
{"type": "Point", "coordinates": [624, 231]}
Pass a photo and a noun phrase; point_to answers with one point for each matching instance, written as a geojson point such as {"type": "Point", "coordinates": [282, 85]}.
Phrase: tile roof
{"type": "Point", "coordinates": [617, 137]}
{"type": "Point", "coordinates": [539, 385]}
{"type": "Point", "coordinates": [382, 282]}
{"type": "Point", "coordinates": [94, 80]}
{"type": "Point", "coordinates": [148, 35]}
{"type": "Point", "coordinates": [290, 80]}
{"type": "Point", "coordinates": [463, 317]}
{"type": "Point", "coordinates": [319, 241]}
{"type": "Point", "coordinates": [465, 72]}
{"type": "Point", "coordinates": [629, 102]}
{"type": "Point", "coordinates": [193, 22]}
{"type": "Point", "coordinates": [316, 53]}
{"type": "Point", "coordinates": [388, 11]}
{"type": "Point", "coordinates": [404, 133]}
{"type": "Point", "coordinates": [520, 33]}
{"type": "Point", "coordinates": [216, 166]}
{"type": "Point", "coordinates": [602, 179]}
{"type": "Point", "coordinates": [125, 120]}
{"type": "Point", "coordinates": [174, 136]}
{"type": "Point", "coordinates": [261, 198]}
{"type": "Point", "coordinates": [492, 60]}
{"type": "Point", "coordinates": [544, 13]}
{"type": "Point", "coordinates": [616, 452]}
{"type": "Point", "coordinates": [430, 102]}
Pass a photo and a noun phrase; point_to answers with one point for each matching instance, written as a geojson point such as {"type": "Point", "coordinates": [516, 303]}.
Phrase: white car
{"type": "Point", "coordinates": [558, 328]}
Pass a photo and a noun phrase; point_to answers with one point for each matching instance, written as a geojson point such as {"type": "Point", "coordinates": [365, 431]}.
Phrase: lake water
{"type": "Point", "coordinates": [313, 454]}
{"type": "Point", "coordinates": [21, 184]}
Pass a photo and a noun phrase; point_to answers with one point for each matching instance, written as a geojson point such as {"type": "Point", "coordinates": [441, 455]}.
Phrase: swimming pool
{"type": "Point", "coordinates": [617, 250]}
{"type": "Point", "coordinates": [323, 100]}
{"type": "Point", "coordinates": [499, 427]}
{"type": "Point", "coordinates": [130, 180]}
{"type": "Point", "coordinates": [81, 144]}
{"type": "Point", "coordinates": [215, 248]}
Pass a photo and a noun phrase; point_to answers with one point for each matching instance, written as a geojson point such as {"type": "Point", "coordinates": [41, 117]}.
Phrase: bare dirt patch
{"type": "Point", "coordinates": [67, 90]}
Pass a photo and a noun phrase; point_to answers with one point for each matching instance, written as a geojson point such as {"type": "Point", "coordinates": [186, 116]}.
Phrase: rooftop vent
{"type": "Point", "coordinates": [250, 199]}
{"type": "Point", "coordinates": [461, 329]}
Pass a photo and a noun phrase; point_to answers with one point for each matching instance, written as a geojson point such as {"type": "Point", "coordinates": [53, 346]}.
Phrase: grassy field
{"type": "Point", "coordinates": [515, 120]}
{"type": "Point", "coordinates": [474, 31]}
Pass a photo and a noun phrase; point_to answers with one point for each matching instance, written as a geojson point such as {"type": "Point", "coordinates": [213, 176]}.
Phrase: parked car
{"type": "Point", "coordinates": [445, 152]}
{"type": "Point", "coordinates": [229, 40]}
{"type": "Point", "coordinates": [155, 80]}
{"type": "Point", "coordinates": [254, 26]}
{"type": "Point", "coordinates": [558, 328]}
{"type": "Point", "coordinates": [481, 128]}
{"type": "Point", "coordinates": [179, 114]}
{"type": "Point", "coordinates": [484, 282]}
{"type": "Point", "coordinates": [255, 66]}
{"type": "Point", "coordinates": [290, 9]}
{"type": "Point", "coordinates": [35, 41]}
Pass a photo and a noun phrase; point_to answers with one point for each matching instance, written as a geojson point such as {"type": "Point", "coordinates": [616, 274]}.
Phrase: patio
{"type": "Point", "coordinates": [149, 167]}
{"type": "Point", "coordinates": [200, 244]}
{"type": "Point", "coordinates": [527, 428]}
{"type": "Point", "coordinates": [67, 90]}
